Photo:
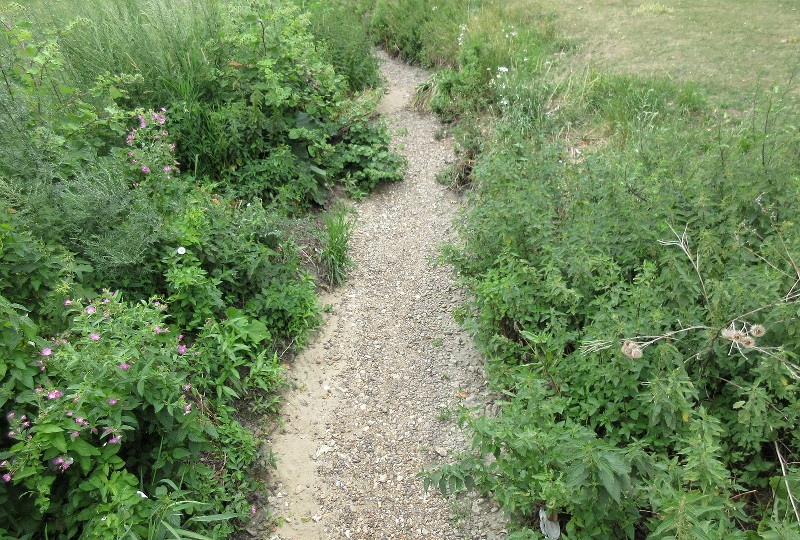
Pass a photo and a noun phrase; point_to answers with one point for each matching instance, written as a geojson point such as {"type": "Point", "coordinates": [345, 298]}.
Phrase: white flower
{"type": "Point", "coordinates": [504, 69]}
{"type": "Point", "coordinates": [181, 250]}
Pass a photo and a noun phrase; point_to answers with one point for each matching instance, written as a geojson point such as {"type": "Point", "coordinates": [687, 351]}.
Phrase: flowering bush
{"type": "Point", "coordinates": [96, 419]}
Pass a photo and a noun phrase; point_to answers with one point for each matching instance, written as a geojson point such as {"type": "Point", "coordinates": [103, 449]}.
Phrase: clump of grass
{"type": "Point", "coordinates": [656, 8]}
{"type": "Point", "coordinates": [338, 227]}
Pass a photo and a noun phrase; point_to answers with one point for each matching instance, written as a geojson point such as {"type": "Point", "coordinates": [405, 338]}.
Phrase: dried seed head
{"type": "Point", "coordinates": [737, 336]}
{"type": "Point", "coordinates": [636, 352]}
{"type": "Point", "coordinates": [757, 330]}
{"type": "Point", "coordinates": [627, 348]}
{"type": "Point", "coordinates": [727, 333]}
{"type": "Point", "coordinates": [748, 341]}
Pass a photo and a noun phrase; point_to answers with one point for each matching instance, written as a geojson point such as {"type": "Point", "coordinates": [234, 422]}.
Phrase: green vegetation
{"type": "Point", "coordinates": [632, 257]}
{"type": "Point", "coordinates": [157, 160]}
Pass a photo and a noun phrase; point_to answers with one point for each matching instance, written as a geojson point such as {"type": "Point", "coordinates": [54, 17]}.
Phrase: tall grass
{"type": "Point", "coordinates": [169, 43]}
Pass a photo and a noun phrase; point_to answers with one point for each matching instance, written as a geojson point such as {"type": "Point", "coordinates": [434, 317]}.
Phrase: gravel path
{"type": "Point", "coordinates": [376, 387]}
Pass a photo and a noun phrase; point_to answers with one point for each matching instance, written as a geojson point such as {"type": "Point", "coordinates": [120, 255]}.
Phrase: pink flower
{"type": "Point", "coordinates": [78, 419]}
{"type": "Point", "coordinates": [69, 413]}
{"type": "Point", "coordinates": [91, 309]}
{"type": "Point", "coordinates": [112, 401]}
{"type": "Point", "coordinates": [186, 387]}
{"type": "Point", "coordinates": [67, 302]}
{"type": "Point", "coordinates": [10, 415]}
{"type": "Point", "coordinates": [55, 394]}
{"type": "Point", "coordinates": [124, 366]}
{"type": "Point", "coordinates": [181, 349]}
{"type": "Point", "coordinates": [114, 440]}
{"type": "Point", "coordinates": [26, 424]}
{"type": "Point", "coordinates": [95, 337]}
{"type": "Point", "coordinates": [46, 352]}
{"type": "Point", "coordinates": [145, 169]}
{"type": "Point", "coordinates": [74, 434]}
{"type": "Point", "coordinates": [187, 409]}
{"type": "Point", "coordinates": [7, 477]}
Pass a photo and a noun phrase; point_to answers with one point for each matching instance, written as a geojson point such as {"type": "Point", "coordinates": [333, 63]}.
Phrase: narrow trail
{"type": "Point", "coordinates": [375, 388]}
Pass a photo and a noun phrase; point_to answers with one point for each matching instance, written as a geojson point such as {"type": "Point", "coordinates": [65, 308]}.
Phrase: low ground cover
{"type": "Point", "coordinates": [631, 249]}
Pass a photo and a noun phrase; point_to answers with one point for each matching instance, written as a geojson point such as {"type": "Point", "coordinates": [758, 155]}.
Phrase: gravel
{"type": "Point", "coordinates": [377, 391]}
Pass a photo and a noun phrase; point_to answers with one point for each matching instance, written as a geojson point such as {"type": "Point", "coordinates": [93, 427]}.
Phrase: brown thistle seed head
{"type": "Point", "coordinates": [627, 347]}
{"type": "Point", "coordinates": [737, 336]}
{"type": "Point", "coordinates": [727, 333]}
{"type": "Point", "coordinates": [757, 330]}
{"type": "Point", "coordinates": [748, 341]}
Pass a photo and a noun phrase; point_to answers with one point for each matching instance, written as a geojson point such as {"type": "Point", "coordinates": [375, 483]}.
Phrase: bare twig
{"type": "Point", "coordinates": [786, 481]}
{"type": "Point", "coordinates": [683, 243]}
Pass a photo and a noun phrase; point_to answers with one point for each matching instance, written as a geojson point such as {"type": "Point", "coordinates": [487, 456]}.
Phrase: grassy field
{"type": "Point", "coordinates": [729, 46]}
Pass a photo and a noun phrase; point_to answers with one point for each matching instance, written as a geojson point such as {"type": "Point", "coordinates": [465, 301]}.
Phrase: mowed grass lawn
{"type": "Point", "coordinates": [730, 47]}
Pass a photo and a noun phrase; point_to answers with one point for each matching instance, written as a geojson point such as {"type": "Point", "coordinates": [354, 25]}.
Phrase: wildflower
{"type": "Point", "coordinates": [167, 168]}
{"type": "Point", "coordinates": [115, 440]}
{"type": "Point", "coordinates": [503, 69]}
{"type": "Point", "coordinates": [74, 434]}
{"type": "Point", "coordinates": [78, 420]}
{"type": "Point", "coordinates": [7, 477]}
{"type": "Point", "coordinates": [26, 424]}
{"type": "Point", "coordinates": [55, 394]}
{"type": "Point", "coordinates": [181, 250]}
{"type": "Point", "coordinates": [112, 401]}
{"type": "Point", "coordinates": [95, 337]}
{"type": "Point", "coordinates": [145, 169]}
{"type": "Point", "coordinates": [67, 302]}
{"type": "Point", "coordinates": [106, 300]}
{"type": "Point", "coordinates": [46, 352]}
{"type": "Point", "coordinates": [186, 387]}
{"type": "Point", "coordinates": [737, 336]}
{"type": "Point", "coordinates": [10, 415]}
{"type": "Point", "coordinates": [187, 409]}
{"type": "Point", "coordinates": [67, 462]}
{"type": "Point", "coordinates": [253, 510]}
{"type": "Point", "coordinates": [748, 341]}
{"type": "Point", "coordinates": [757, 330]}
{"type": "Point", "coordinates": [124, 366]}
{"type": "Point", "coordinates": [91, 309]}
{"type": "Point", "coordinates": [181, 349]}
{"type": "Point", "coordinates": [69, 413]}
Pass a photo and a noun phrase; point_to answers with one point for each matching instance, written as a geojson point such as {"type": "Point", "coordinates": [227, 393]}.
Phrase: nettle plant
{"type": "Point", "coordinates": [100, 426]}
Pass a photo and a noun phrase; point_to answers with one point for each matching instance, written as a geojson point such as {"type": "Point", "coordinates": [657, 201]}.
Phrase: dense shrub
{"type": "Point", "coordinates": [160, 149]}
{"type": "Point", "coordinates": [632, 265]}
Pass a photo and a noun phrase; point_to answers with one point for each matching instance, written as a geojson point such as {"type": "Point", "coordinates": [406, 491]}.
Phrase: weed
{"type": "Point", "coordinates": [339, 225]}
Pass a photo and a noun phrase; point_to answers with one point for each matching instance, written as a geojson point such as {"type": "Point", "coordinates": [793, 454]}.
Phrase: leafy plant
{"type": "Point", "coordinates": [339, 226]}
